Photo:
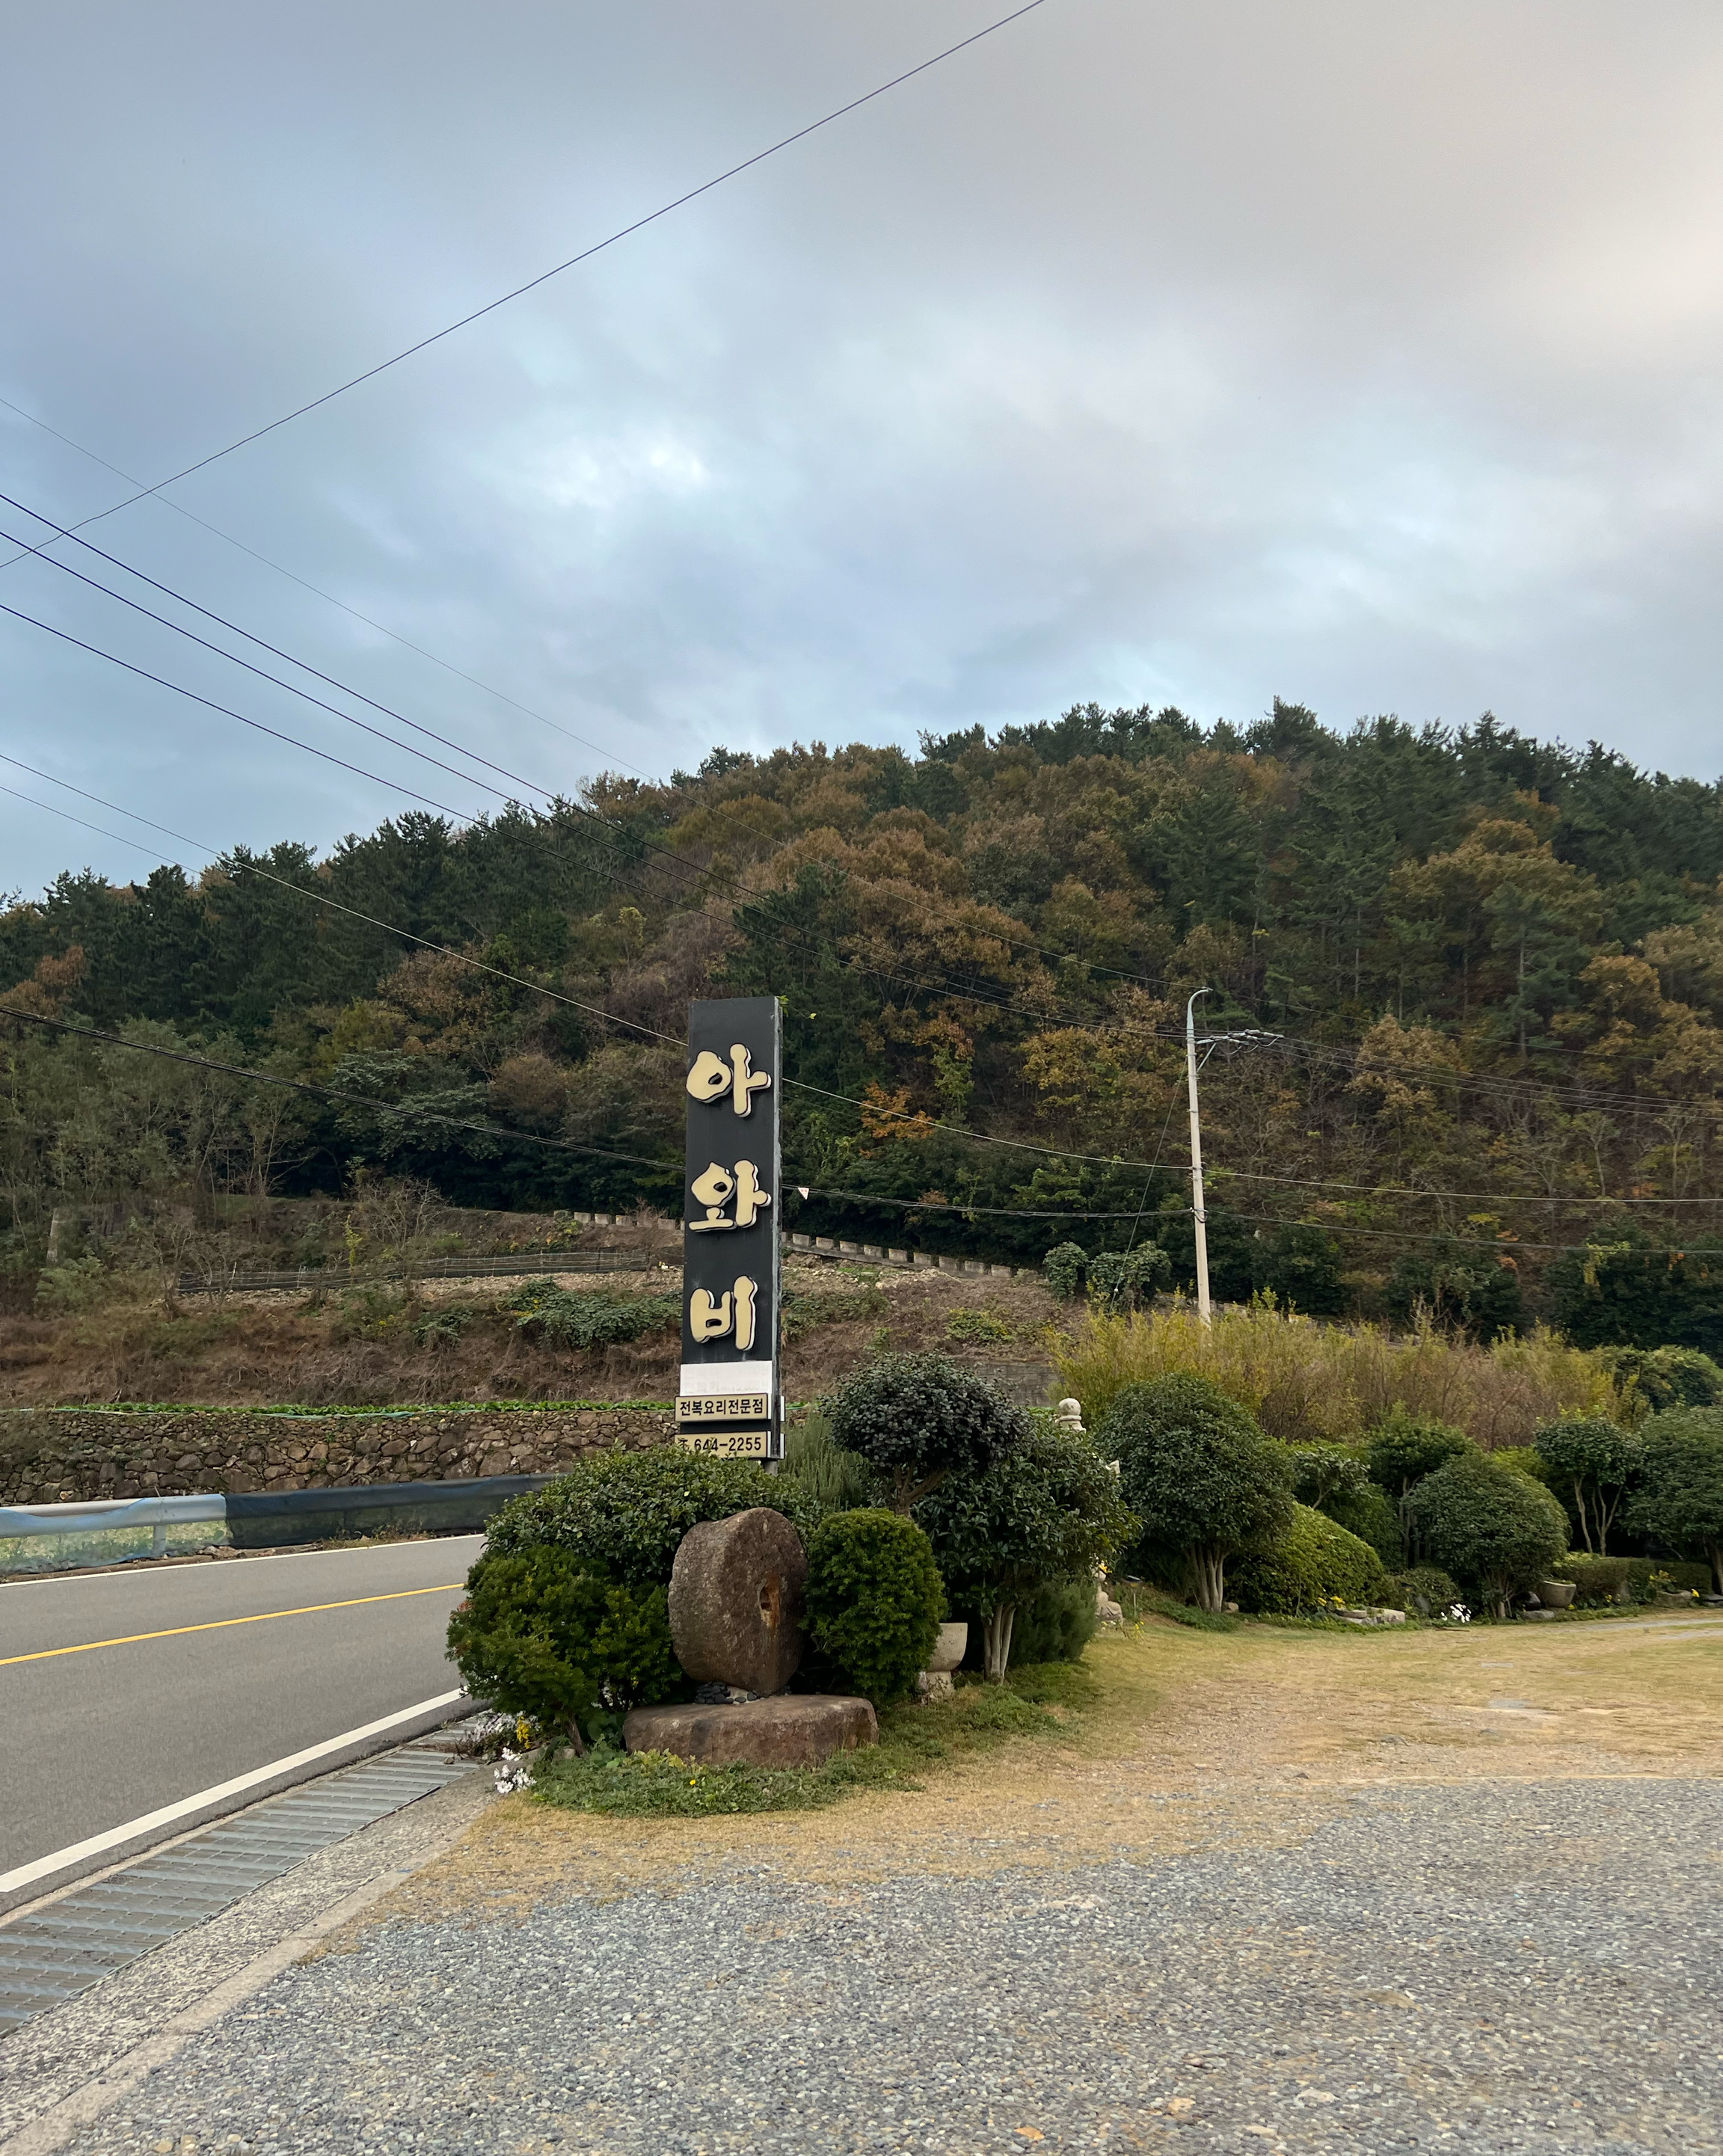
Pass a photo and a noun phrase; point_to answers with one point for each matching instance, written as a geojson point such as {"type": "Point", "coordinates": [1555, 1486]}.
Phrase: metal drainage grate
{"type": "Point", "coordinates": [75, 1943]}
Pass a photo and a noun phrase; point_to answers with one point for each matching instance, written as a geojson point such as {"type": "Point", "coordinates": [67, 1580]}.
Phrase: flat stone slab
{"type": "Point", "coordinates": [796, 1729]}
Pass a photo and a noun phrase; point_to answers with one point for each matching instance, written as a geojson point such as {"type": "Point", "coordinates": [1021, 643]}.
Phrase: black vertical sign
{"type": "Point", "coordinates": [728, 1400]}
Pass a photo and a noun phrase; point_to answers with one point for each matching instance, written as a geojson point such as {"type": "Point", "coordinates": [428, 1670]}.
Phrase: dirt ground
{"type": "Point", "coordinates": [368, 1346]}
{"type": "Point", "coordinates": [1249, 1738]}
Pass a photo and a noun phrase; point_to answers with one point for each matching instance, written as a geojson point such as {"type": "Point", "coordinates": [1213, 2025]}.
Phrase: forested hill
{"type": "Point", "coordinates": [1495, 967]}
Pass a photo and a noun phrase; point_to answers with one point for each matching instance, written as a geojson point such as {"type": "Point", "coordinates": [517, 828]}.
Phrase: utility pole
{"type": "Point", "coordinates": [1199, 1216]}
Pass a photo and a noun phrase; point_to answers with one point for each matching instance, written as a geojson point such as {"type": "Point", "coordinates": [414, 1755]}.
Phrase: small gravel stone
{"type": "Point", "coordinates": [1485, 1968]}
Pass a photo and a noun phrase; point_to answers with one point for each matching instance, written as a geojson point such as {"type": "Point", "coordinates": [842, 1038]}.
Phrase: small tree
{"type": "Point", "coordinates": [1489, 1525]}
{"type": "Point", "coordinates": [1680, 1496]}
{"type": "Point", "coordinates": [1592, 1461]}
{"type": "Point", "coordinates": [1401, 1452]}
{"type": "Point", "coordinates": [1048, 1511]}
{"type": "Point", "coordinates": [917, 1419]}
{"type": "Point", "coordinates": [1201, 1476]}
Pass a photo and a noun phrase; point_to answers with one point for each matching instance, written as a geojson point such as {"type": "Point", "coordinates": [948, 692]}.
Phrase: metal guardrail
{"type": "Point", "coordinates": [101, 1530]}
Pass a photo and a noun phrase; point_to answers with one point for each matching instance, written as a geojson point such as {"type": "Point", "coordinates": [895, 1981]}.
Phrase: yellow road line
{"type": "Point", "coordinates": [220, 1623]}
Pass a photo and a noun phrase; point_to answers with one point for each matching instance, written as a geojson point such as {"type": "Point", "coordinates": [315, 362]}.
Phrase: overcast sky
{"type": "Point", "coordinates": [1368, 356]}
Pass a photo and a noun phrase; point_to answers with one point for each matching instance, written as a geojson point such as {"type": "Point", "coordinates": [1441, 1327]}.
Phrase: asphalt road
{"type": "Point", "coordinates": [100, 1738]}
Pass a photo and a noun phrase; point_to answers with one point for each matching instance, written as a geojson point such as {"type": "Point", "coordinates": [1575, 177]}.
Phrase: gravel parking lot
{"type": "Point", "coordinates": [1487, 1966]}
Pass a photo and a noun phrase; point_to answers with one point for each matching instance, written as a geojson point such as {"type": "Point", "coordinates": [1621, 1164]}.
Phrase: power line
{"type": "Point", "coordinates": [264, 644]}
{"type": "Point", "coordinates": [586, 254]}
{"type": "Point", "coordinates": [316, 590]}
{"type": "Point", "coordinates": [1487, 1085]}
{"type": "Point", "coordinates": [256, 725]}
{"type": "Point", "coordinates": [264, 675]}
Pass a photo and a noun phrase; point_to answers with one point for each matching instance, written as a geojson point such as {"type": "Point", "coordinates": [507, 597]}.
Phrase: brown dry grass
{"type": "Point", "coordinates": [256, 1350]}
{"type": "Point", "coordinates": [1201, 1739]}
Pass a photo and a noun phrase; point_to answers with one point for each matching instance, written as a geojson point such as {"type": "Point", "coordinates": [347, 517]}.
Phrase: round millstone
{"type": "Point", "coordinates": [736, 1590]}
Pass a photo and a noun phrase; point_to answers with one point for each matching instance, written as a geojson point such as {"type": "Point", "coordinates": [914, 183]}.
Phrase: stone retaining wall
{"type": "Point", "coordinates": [58, 1457]}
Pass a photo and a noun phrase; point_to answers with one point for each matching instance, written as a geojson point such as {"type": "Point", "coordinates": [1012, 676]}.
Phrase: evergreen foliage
{"type": "Point", "coordinates": [916, 1419]}
{"type": "Point", "coordinates": [623, 1514]}
{"type": "Point", "coordinates": [875, 1601]}
{"type": "Point", "coordinates": [1045, 1513]}
{"type": "Point", "coordinates": [1589, 1462]}
{"type": "Point", "coordinates": [540, 1633]}
{"type": "Point", "coordinates": [1310, 1567]}
{"type": "Point", "coordinates": [1494, 1529]}
{"type": "Point", "coordinates": [1680, 1500]}
{"type": "Point", "coordinates": [1203, 1480]}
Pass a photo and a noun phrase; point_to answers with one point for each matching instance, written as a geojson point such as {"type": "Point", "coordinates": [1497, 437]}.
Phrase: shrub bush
{"type": "Point", "coordinates": [1667, 1376]}
{"type": "Point", "coordinates": [1336, 1482]}
{"type": "Point", "coordinates": [1048, 1512]}
{"type": "Point", "coordinates": [1126, 1279]}
{"type": "Point", "coordinates": [1679, 1499]}
{"type": "Point", "coordinates": [916, 1419]}
{"type": "Point", "coordinates": [1494, 1529]}
{"type": "Point", "coordinates": [623, 1513]}
{"type": "Point", "coordinates": [1425, 1591]}
{"type": "Point", "coordinates": [540, 1635]}
{"type": "Point", "coordinates": [875, 1600]}
{"type": "Point", "coordinates": [579, 1318]}
{"type": "Point", "coordinates": [1204, 1481]}
{"type": "Point", "coordinates": [1065, 1269]}
{"type": "Point", "coordinates": [1055, 1623]}
{"type": "Point", "coordinates": [828, 1479]}
{"type": "Point", "coordinates": [1315, 1562]}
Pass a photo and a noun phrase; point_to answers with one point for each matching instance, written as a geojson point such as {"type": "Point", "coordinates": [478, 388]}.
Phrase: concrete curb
{"type": "Point", "coordinates": [67, 2067]}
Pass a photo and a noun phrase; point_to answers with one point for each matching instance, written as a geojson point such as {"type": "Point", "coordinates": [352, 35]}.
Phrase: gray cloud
{"type": "Point", "coordinates": [1366, 356]}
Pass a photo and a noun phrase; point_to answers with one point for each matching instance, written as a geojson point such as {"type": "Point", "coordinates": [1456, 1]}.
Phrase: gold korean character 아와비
{"type": "Point", "coordinates": [712, 1317]}
{"type": "Point", "coordinates": [715, 1189]}
{"type": "Point", "coordinates": [711, 1078]}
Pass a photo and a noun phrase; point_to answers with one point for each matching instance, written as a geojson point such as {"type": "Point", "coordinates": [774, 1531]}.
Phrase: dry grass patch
{"type": "Point", "coordinates": [1198, 1739]}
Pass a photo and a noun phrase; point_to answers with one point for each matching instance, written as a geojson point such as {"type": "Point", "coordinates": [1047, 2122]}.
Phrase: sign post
{"type": "Point", "coordinates": [729, 1402]}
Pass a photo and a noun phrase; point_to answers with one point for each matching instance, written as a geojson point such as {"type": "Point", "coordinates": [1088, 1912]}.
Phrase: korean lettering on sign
{"type": "Point", "coordinates": [729, 1391]}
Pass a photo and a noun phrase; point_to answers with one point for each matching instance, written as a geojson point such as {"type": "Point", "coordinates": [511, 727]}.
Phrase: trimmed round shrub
{"type": "Point", "coordinates": [916, 1419]}
{"type": "Point", "coordinates": [1048, 1513]}
{"type": "Point", "coordinates": [1313, 1565]}
{"type": "Point", "coordinates": [1204, 1480]}
{"type": "Point", "coordinates": [1494, 1529]}
{"type": "Point", "coordinates": [1679, 1501]}
{"type": "Point", "coordinates": [540, 1635]}
{"type": "Point", "coordinates": [623, 1513]}
{"type": "Point", "coordinates": [875, 1600]}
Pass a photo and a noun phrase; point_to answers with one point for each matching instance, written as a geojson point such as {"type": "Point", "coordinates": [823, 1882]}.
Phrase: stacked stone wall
{"type": "Point", "coordinates": [66, 1455]}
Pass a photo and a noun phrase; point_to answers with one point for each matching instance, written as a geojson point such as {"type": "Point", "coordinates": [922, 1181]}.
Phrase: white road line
{"type": "Point", "coordinates": [26, 1874]}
